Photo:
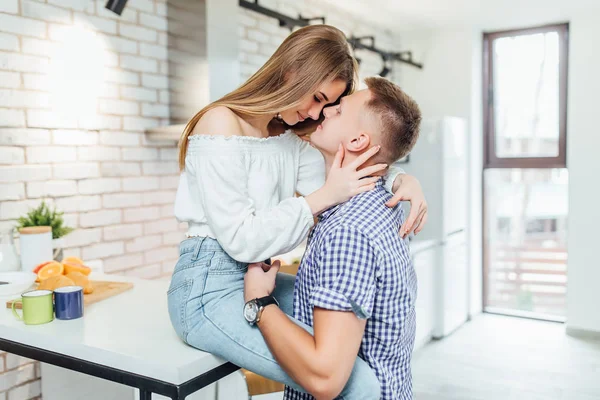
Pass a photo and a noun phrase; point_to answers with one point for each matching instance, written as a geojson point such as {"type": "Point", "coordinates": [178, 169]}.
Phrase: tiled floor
{"type": "Point", "coordinates": [502, 358]}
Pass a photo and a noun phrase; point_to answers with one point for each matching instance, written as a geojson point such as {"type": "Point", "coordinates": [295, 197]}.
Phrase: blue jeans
{"type": "Point", "coordinates": [206, 298]}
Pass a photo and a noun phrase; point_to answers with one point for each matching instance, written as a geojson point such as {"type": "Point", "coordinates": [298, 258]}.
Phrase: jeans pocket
{"type": "Point", "coordinates": [178, 297]}
{"type": "Point", "coordinates": [222, 264]}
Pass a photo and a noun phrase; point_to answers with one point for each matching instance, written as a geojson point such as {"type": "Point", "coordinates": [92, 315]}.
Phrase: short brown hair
{"type": "Point", "coordinates": [398, 116]}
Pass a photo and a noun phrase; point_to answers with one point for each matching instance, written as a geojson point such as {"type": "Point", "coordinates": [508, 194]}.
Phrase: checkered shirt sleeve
{"type": "Point", "coordinates": [347, 273]}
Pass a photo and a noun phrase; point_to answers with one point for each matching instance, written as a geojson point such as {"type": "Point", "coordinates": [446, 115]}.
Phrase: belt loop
{"type": "Point", "coordinates": [199, 241]}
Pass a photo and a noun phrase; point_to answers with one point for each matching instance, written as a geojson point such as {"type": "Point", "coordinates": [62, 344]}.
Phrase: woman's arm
{"type": "Point", "coordinates": [406, 187]}
{"type": "Point", "coordinates": [220, 181]}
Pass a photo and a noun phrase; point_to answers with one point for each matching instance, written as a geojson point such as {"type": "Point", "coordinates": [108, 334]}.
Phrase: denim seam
{"type": "Point", "coordinates": [241, 271]}
{"type": "Point", "coordinates": [198, 248]}
{"type": "Point", "coordinates": [178, 286]}
{"type": "Point", "coordinates": [202, 292]}
{"type": "Point", "coordinates": [192, 264]}
{"type": "Point", "coordinates": [186, 285]}
{"type": "Point", "coordinates": [229, 271]}
{"type": "Point", "coordinates": [183, 312]}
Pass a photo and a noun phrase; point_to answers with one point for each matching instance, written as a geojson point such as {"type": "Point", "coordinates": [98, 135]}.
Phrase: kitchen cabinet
{"type": "Point", "coordinates": [424, 256]}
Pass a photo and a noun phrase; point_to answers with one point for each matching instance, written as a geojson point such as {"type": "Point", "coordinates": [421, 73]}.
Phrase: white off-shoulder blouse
{"type": "Point", "coordinates": [241, 190]}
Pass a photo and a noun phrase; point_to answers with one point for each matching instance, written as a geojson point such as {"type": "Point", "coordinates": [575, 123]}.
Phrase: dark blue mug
{"type": "Point", "coordinates": [68, 302]}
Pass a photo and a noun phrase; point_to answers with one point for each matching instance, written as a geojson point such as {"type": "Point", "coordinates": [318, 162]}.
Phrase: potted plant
{"type": "Point", "coordinates": [44, 216]}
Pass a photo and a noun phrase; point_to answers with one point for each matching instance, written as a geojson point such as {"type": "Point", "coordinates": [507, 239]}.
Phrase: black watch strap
{"type": "Point", "coordinates": [265, 301]}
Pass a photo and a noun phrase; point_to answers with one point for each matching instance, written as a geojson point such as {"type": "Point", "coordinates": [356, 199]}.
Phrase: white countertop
{"type": "Point", "coordinates": [130, 331]}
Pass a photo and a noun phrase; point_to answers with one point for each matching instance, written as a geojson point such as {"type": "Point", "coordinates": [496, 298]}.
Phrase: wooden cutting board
{"type": "Point", "coordinates": [102, 290]}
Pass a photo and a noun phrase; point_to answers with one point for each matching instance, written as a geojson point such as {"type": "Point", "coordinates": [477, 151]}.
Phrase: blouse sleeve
{"type": "Point", "coordinates": [247, 235]}
{"type": "Point", "coordinates": [393, 171]}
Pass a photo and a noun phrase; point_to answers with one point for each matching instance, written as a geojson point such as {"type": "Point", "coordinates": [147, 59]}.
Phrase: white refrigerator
{"type": "Point", "coordinates": [439, 161]}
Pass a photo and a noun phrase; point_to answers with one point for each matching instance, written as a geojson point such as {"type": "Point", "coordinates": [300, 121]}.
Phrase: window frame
{"type": "Point", "coordinates": [490, 159]}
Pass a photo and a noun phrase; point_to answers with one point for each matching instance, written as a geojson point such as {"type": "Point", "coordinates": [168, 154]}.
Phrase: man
{"type": "Point", "coordinates": [356, 285]}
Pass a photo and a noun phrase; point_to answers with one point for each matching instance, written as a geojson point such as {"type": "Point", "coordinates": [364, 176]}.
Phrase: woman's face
{"type": "Point", "coordinates": [312, 104]}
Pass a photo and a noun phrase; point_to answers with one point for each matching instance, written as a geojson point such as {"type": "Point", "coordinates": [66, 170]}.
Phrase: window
{"type": "Point", "coordinates": [525, 179]}
{"type": "Point", "coordinates": [525, 93]}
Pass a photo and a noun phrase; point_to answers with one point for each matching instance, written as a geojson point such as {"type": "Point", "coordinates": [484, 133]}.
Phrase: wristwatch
{"type": "Point", "coordinates": [254, 308]}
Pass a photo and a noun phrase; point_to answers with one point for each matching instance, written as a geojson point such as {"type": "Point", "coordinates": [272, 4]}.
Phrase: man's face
{"type": "Point", "coordinates": [342, 123]}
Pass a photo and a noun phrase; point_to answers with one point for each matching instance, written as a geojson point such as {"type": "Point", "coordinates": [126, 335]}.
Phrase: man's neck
{"type": "Point", "coordinates": [348, 158]}
{"type": "Point", "coordinates": [328, 163]}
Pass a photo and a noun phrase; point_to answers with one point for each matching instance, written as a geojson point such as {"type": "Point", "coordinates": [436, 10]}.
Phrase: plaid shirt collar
{"type": "Point", "coordinates": [331, 210]}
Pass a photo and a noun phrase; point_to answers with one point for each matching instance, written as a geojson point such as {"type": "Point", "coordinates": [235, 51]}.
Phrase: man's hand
{"type": "Point", "coordinates": [408, 188]}
{"type": "Point", "coordinates": [260, 280]}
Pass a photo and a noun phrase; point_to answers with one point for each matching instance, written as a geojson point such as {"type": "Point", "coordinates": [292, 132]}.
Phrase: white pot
{"type": "Point", "coordinates": [36, 246]}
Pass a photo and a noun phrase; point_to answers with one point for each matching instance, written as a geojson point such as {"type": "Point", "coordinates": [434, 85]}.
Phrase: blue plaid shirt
{"type": "Point", "coordinates": [356, 261]}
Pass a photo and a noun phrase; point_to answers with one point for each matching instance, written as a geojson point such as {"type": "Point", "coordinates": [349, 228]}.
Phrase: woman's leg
{"type": "Point", "coordinates": [284, 292]}
{"type": "Point", "coordinates": [222, 330]}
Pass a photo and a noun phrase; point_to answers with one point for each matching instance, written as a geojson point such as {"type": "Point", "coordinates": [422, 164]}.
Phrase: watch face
{"type": "Point", "coordinates": [250, 311]}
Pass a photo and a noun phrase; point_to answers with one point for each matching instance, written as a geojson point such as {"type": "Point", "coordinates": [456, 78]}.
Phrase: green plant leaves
{"type": "Point", "coordinates": [44, 216]}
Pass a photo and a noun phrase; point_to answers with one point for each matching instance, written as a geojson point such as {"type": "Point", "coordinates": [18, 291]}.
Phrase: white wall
{"type": "Point", "coordinates": [261, 35]}
{"type": "Point", "coordinates": [222, 22]}
{"type": "Point", "coordinates": [583, 143]}
{"type": "Point", "coordinates": [450, 84]}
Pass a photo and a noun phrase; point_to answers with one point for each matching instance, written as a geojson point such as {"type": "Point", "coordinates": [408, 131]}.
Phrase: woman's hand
{"type": "Point", "coordinates": [345, 182]}
{"type": "Point", "coordinates": [259, 281]}
{"type": "Point", "coordinates": [409, 189]}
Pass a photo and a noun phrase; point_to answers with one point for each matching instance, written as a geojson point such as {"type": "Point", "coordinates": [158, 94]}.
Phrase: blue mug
{"type": "Point", "coordinates": [68, 302]}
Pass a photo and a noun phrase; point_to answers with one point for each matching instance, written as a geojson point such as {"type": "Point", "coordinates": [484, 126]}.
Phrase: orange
{"type": "Point", "coordinates": [56, 281]}
{"type": "Point", "coordinates": [74, 267]}
{"type": "Point", "coordinates": [51, 269]}
{"type": "Point", "coordinates": [39, 266]}
{"type": "Point", "coordinates": [72, 260]}
{"type": "Point", "coordinates": [81, 280]}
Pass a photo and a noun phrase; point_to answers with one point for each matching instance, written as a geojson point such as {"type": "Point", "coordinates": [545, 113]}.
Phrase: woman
{"type": "Point", "coordinates": [237, 195]}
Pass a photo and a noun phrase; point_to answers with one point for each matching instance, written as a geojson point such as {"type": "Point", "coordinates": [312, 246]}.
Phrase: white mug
{"type": "Point", "coordinates": [35, 245]}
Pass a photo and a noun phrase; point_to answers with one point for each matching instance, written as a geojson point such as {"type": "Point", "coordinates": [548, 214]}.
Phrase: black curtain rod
{"type": "Point", "coordinates": [290, 22]}
{"type": "Point", "coordinates": [403, 56]}
{"type": "Point", "coordinates": [284, 20]}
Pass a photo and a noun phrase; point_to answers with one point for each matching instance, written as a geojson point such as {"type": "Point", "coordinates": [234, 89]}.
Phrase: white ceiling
{"type": "Point", "coordinates": [403, 15]}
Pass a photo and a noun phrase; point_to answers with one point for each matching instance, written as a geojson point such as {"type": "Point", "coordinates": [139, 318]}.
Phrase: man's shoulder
{"type": "Point", "coordinates": [368, 214]}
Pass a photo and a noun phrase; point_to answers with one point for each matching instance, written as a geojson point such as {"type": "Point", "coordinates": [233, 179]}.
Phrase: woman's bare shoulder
{"type": "Point", "coordinates": [219, 121]}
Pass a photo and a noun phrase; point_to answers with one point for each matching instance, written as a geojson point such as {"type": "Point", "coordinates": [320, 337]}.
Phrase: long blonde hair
{"type": "Point", "coordinates": [305, 60]}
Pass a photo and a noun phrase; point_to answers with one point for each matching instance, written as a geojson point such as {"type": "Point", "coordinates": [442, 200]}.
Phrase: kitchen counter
{"type": "Point", "coordinates": [130, 332]}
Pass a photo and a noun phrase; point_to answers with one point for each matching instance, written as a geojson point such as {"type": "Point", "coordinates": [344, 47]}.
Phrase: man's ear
{"type": "Point", "coordinates": [359, 143]}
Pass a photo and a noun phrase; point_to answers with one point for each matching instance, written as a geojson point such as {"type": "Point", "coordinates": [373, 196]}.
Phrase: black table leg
{"type": "Point", "coordinates": [145, 395]}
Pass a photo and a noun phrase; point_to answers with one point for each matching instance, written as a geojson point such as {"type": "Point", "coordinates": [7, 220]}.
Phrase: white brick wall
{"type": "Point", "coordinates": [20, 173]}
{"type": "Point", "coordinates": [97, 168]}
{"type": "Point", "coordinates": [10, 117]}
{"type": "Point", "coordinates": [51, 189]}
{"type": "Point", "coordinates": [75, 170]}
{"type": "Point", "coordinates": [12, 155]}
{"type": "Point", "coordinates": [115, 186]}
{"type": "Point", "coordinates": [9, 6]}
{"type": "Point", "coordinates": [12, 191]}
